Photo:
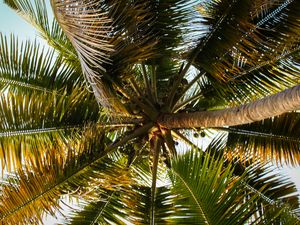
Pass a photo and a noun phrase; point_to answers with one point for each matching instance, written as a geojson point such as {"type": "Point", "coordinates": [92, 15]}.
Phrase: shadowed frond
{"type": "Point", "coordinates": [263, 78]}
{"type": "Point", "coordinates": [139, 205]}
{"type": "Point", "coordinates": [276, 139]}
{"type": "Point", "coordinates": [106, 208]}
{"type": "Point", "coordinates": [263, 58]}
{"type": "Point", "coordinates": [88, 27]}
{"type": "Point", "coordinates": [279, 32]}
{"type": "Point", "coordinates": [212, 193]}
{"type": "Point", "coordinates": [278, 189]}
{"type": "Point", "coordinates": [278, 193]}
{"type": "Point", "coordinates": [37, 190]}
{"type": "Point", "coordinates": [147, 31]}
{"type": "Point", "coordinates": [35, 123]}
{"type": "Point", "coordinates": [221, 18]}
{"type": "Point", "coordinates": [131, 35]}
{"type": "Point", "coordinates": [253, 39]}
{"type": "Point", "coordinates": [129, 205]}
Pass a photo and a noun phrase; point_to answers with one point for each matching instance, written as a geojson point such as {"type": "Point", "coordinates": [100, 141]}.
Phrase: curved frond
{"type": "Point", "coordinates": [212, 194]}
{"type": "Point", "coordinates": [85, 171]}
{"type": "Point", "coordinates": [279, 189]}
{"type": "Point", "coordinates": [36, 13]}
{"type": "Point", "coordinates": [106, 208]}
{"type": "Point", "coordinates": [221, 18]}
{"type": "Point", "coordinates": [129, 205]}
{"type": "Point", "coordinates": [27, 66]}
{"type": "Point", "coordinates": [259, 35]}
{"type": "Point", "coordinates": [263, 58]}
{"type": "Point", "coordinates": [88, 27]}
{"type": "Point", "coordinates": [139, 205]}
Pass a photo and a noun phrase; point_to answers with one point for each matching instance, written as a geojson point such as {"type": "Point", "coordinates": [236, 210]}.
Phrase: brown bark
{"type": "Point", "coordinates": [274, 105]}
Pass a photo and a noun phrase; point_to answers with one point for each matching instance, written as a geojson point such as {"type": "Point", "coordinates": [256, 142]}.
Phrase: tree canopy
{"type": "Point", "coordinates": [106, 117]}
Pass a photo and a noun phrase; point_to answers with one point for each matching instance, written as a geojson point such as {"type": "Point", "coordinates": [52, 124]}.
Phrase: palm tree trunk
{"type": "Point", "coordinates": [267, 107]}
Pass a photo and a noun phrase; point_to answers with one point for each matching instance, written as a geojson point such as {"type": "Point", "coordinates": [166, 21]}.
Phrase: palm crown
{"type": "Point", "coordinates": [102, 114]}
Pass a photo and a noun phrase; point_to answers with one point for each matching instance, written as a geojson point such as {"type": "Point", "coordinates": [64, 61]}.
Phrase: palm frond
{"type": "Point", "coordinates": [202, 181]}
{"type": "Point", "coordinates": [105, 209]}
{"type": "Point", "coordinates": [35, 123]}
{"type": "Point", "coordinates": [273, 139]}
{"type": "Point", "coordinates": [254, 61]}
{"type": "Point", "coordinates": [87, 26]}
{"type": "Point", "coordinates": [221, 18]}
{"type": "Point", "coordinates": [251, 34]}
{"type": "Point", "coordinates": [132, 204]}
{"type": "Point", "coordinates": [155, 148]}
{"type": "Point", "coordinates": [139, 35]}
{"type": "Point", "coordinates": [86, 171]}
{"type": "Point", "coordinates": [283, 21]}
{"type": "Point", "coordinates": [279, 192]}
{"type": "Point", "coordinates": [44, 184]}
{"type": "Point", "coordinates": [139, 205]}
{"type": "Point", "coordinates": [279, 189]}
{"type": "Point", "coordinates": [132, 41]}
{"type": "Point", "coordinates": [36, 13]}
{"type": "Point", "coordinates": [27, 66]}
{"type": "Point", "coordinates": [147, 31]}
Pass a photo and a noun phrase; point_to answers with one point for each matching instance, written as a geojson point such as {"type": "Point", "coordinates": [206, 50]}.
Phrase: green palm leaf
{"type": "Point", "coordinates": [36, 13]}
{"type": "Point", "coordinates": [278, 189]}
{"type": "Point", "coordinates": [27, 66]}
{"type": "Point", "coordinates": [153, 67]}
{"type": "Point", "coordinates": [106, 209]}
{"type": "Point", "coordinates": [203, 181]}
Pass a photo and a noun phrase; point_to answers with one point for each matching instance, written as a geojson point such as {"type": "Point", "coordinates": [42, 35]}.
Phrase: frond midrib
{"type": "Point", "coordinates": [266, 63]}
{"type": "Point", "coordinates": [78, 171]}
{"type": "Point", "coordinates": [50, 188]}
{"type": "Point", "coordinates": [103, 208]}
{"type": "Point", "coordinates": [275, 203]}
{"type": "Point", "coordinates": [25, 85]}
{"type": "Point", "coordinates": [258, 134]}
{"type": "Point", "coordinates": [202, 211]}
{"type": "Point", "coordinates": [37, 131]}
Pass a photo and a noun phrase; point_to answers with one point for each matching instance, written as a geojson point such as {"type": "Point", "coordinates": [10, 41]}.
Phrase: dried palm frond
{"type": "Point", "coordinates": [88, 27]}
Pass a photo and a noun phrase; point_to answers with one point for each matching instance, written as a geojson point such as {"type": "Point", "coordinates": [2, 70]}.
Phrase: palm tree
{"type": "Point", "coordinates": [99, 118]}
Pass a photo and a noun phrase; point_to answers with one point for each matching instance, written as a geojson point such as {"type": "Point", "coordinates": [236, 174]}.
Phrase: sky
{"type": "Point", "coordinates": [10, 22]}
